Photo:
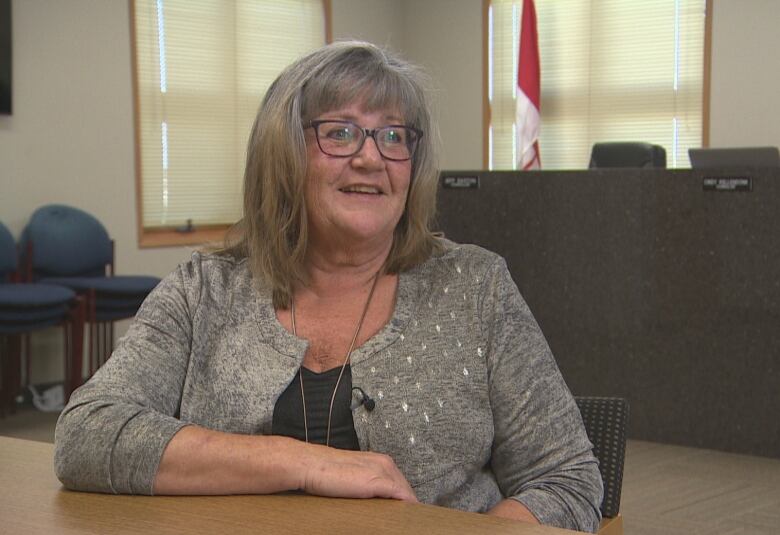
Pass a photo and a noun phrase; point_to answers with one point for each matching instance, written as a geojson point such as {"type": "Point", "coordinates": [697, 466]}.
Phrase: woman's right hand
{"type": "Point", "coordinates": [353, 474]}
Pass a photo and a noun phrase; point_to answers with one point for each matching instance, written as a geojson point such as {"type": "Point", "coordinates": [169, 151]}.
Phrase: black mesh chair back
{"type": "Point", "coordinates": [627, 154]}
{"type": "Point", "coordinates": [605, 421]}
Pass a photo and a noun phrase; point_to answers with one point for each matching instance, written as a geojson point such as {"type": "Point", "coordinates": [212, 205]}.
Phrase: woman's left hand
{"type": "Point", "coordinates": [353, 474]}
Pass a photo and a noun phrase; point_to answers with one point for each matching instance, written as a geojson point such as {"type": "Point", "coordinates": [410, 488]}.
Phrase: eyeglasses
{"type": "Point", "coordinates": [343, 139]}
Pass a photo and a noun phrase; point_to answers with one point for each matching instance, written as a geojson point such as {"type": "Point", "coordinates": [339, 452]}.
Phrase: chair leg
{"type": "Point", "coordinates": [96, 354]}
{"type": "Point", "coordinates": [76, 321]}
{"type": "Point", "coordinates": [67, 346]}
{"type": "Point", "coordinates": [93, 349]}
{"type": "Point", "coordinates": [27, 359]}
{"type": "Point", "coordinates": [110, 339]}
{"type": "Point", "coordinates": [104, 347]}
{"type": "Point", "coordinates": [12, 377]}
{"type": "Point", "coordinates": [91, 318]}
{"type": "Point", "coordinates": [90, 349]}
{"type": "Point", "coordinates": [3, 374]}
{"type": "Point", "coordinates": [101, 327]}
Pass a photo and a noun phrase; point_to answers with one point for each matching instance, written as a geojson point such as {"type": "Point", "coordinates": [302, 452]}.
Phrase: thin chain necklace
{"type": "Point", "coordinates": [343, 366]}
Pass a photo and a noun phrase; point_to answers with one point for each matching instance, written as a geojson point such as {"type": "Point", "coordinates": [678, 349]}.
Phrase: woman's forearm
{"type": "Point", "coordinates": [202, 461]}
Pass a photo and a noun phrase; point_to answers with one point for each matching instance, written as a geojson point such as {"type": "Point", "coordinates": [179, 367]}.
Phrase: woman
{"type": "Point", "coordinates": [338, 347]}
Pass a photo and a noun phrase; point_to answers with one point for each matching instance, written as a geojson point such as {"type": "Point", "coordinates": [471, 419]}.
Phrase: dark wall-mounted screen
{"type": "Point", "coordinates": [5, 56]}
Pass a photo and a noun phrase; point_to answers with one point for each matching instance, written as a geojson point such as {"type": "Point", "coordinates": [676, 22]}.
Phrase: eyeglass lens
{"type": "Point", "coordinates": [338, 138]}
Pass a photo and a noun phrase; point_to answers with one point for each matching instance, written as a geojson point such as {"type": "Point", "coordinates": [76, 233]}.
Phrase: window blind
{"type": "Point", "coordinates": [202, 68]}
{"type": "Point", "coordinates": [611, 70]}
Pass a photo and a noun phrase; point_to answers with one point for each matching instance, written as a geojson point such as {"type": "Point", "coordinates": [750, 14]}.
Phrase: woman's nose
{"type": "Point", "coordinates": [369, 155]}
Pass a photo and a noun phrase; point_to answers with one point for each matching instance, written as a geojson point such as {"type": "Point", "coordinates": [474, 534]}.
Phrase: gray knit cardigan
{"type": "Point", "coordinates": [469, 401]}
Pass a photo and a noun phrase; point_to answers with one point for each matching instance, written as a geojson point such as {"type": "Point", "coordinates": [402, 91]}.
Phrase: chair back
{"type": "Point", "coordinates": [605, 421]}
{"type": "Point", "coordinates": [627, 154]}
{"type": "Point", "coordinates": [66, 242]}
{"type": "Point", "coordinates": [7, 253]}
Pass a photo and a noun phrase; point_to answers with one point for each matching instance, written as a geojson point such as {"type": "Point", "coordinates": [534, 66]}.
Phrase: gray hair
{"type": "Point", "coordinates": [273, 233]}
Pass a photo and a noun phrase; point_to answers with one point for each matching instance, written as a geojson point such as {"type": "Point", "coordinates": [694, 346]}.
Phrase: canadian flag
{"type": "Point", "coordinates": [528, 90]}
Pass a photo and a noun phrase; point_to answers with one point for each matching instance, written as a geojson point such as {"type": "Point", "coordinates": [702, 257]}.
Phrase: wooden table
{"type": "Point", "coordinates": [33, 501]}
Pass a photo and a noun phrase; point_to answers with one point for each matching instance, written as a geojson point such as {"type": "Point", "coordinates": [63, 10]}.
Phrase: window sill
{"type": "Point", "coordinates": [172, 238]}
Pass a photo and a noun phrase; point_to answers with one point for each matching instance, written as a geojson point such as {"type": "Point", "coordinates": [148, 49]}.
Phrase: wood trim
{"type": "Point", "coordinates": [611, 526]}
{"type": "Point", "coordinates": [171, 238]}
{"type": "Point", "coordinates": [327, 8]}
{"type": "Point", "coordinates": [485, 84]}
{"type": "Point", "coordinates": [136, 127]}
{"type": "Point", "coordinates": [707, 77]}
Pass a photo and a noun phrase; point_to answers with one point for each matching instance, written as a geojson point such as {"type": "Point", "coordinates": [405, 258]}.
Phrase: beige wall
{"type": "Point", "coordinates": [70, 138]}
{"type": "Point", "coordinates": [377, 21]}
{"type": "Point", "coordinates": [745, 73]}
{"type": "Point", "coordinates": [444, 37]}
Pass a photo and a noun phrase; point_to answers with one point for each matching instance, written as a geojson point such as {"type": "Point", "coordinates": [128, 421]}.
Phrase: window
{"type": "Point", "coordinates": [201, 69]}
{"type": "Point", "coordinates": [612, 70]}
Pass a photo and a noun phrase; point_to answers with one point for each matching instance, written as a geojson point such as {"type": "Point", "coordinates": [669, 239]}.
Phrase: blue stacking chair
{"type": "Point", "coordinates": [69, 247]}
{"type": "Point", "coordinates": [25, 308]}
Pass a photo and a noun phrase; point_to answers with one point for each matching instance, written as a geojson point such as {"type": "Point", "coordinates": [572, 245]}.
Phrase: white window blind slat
{"type": "Point", "coordinates": [202, 69]}
{"type": "Point", "coordinates": [612, 70]}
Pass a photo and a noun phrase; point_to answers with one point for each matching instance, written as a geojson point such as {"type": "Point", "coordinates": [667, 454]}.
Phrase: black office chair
{"type": "Point", "coordinates": [605, 421]}
{"type": "Point", "coordinates": [627, 154]}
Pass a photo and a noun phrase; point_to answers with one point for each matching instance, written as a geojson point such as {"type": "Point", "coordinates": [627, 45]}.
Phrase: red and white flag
{"type": "Point", "coordinates": [528, 90]}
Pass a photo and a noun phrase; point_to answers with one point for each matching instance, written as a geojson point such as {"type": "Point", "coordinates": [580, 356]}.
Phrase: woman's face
{"type": "Point", "coordinates": [357, 199]}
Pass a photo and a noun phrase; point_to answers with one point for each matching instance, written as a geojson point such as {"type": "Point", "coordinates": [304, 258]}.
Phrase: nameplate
{"type": "Point", "coordinates": [727, 183]}
{"type": "Point", "coordinates": [460, 182]}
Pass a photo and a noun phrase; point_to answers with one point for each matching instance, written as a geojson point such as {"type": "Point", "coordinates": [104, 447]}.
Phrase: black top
{"type": "Point", "coordinates": [318, 388]}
